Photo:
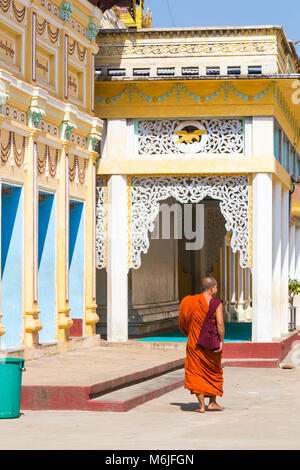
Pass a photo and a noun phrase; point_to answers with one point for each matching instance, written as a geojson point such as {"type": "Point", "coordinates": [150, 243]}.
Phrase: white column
{"type": "Point", "coordinates": [117, 251]}
{"type": "Point", "coordinates": [232, 305]}
{"type": "Point", "coordinates": [297, 253]}
{"type": "Point", "coordinates": [241, 295]}
{"type": "Point", "coordinates": [284, 296]}
{"type": "Point", "coordinates": [292, 258]}
{"type": "Point", "coordinates": [224, 276]}
{"type": "Point", "coordinates": [248, 294]}
{"type": "Point", "coordinates": [297, 273]}
{"type": "Point", "coordinates": [276, 264]}
{"type": "Point", "coordinates": [262, 258]}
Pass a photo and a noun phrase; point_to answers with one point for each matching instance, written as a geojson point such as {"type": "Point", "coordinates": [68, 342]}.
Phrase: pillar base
{"type": "Point", "coordinates": [32, 326]}
{"type": "Point", "coordinates": [64, 323]}
{"type": "Point", "coordinates": [91, 320]}
{"type": "Point", "coordinates": [2, 327]}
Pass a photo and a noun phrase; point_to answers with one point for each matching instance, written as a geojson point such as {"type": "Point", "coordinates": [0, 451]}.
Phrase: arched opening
{"type": "Point", "coordinates": [170, 265]}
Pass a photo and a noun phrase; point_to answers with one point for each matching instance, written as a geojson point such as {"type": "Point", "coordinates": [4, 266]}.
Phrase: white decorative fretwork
{"type": "Point", "coordinates": [147, 192]}
{"type": "Point", "coordinates": [215, 235]}
{"type": "Point", "coordinates": [166, 138]}
{"type": "Point", "coordinates": [101, 236]}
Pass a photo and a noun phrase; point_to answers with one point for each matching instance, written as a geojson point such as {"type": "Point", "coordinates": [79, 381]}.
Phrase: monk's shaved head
{"type": "Point", "coordinates": [208, 283]}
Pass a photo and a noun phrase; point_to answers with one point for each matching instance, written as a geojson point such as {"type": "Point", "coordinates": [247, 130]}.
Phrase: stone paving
{"type": "Point", "coordinates": [262, 410]}
{"type": "Point", "coordinates": [98, 364]}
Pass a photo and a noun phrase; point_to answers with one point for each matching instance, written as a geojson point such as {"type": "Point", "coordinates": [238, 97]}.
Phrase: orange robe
{"type": "Point", "coordinates": [203, 370]}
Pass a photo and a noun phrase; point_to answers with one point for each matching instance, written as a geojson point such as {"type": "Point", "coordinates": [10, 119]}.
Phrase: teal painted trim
{"type": "Point", "coordinates": [297, 169]}
{"type": "Point", "coordinates": [100, 99]}
{"type": "Point", "coordinates": [276, 143]}
{"type": "Point", "coordinates": [227, 86]}
{"type": "Point", "coordinates": [141, 94]}
{"type": "Point", "coordinates": [285, 155]}
{"type": "Point", "coordinates": [292, 155]}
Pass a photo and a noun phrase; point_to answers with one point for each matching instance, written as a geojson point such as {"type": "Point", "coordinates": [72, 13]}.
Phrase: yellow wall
{"type": "Point", "coordinates": [46, 93]}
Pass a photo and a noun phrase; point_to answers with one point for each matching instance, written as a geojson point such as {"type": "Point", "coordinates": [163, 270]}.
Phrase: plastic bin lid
{"type": "Point", "coordinates": [11, 360]}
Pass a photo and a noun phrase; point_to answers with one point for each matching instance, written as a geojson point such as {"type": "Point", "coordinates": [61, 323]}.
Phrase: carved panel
{"type": "Point", "coordinates": [168, 138]}
{"type": "Point", "coordinates": [146, 193]}
{"type": "Point", "coordinates": [101, 223]}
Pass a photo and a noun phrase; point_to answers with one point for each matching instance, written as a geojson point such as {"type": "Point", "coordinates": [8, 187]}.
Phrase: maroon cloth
{"type": "Point", "coordinates": [209, 338]}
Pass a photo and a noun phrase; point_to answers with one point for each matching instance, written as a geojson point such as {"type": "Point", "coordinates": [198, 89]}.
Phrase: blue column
{"type": "Point", "coordinates": [76, 266]}
{"type": "Point", "coordinates": [46, 266]}
{"type": "Point", "coordinates": [11, 265]}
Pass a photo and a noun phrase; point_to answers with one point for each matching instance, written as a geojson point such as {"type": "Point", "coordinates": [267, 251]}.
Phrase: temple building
{"type": "Point", "coordinates": [134, 161]}
{"type": "Point", "coordinates": [197, 117]}
{"type": "Point", "coordinates": [49, 134]}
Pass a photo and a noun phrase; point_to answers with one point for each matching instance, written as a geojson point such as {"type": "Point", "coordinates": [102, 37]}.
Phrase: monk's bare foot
{"type": "Point", "coordinates": [200, 410]}
{"type": "Point", "coordinates": [215, 406]}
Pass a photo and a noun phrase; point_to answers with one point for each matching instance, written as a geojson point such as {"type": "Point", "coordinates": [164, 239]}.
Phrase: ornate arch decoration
{"type": "Point", "coordinates": [146, 193]}
{"type": "Point", "coordinates": [101, 223]}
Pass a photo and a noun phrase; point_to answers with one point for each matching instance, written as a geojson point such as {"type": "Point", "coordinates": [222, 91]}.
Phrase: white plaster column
{"type": "Point", "coordinates": [297, 273]}
{"type": "Point", "coordinates": [248, 294]}
{"type": "Point", "coordinates": [292, 255]}
{"type": "Point", "coordinates": [276, 261]}
{"type": "Point", "coordinates": [241, 294]}
{"type": "Point", "coordinates": [232, 299]}
{"type": "Point", "coordinates": [262, 258]}
{"type": "Point", "coordinates": [117, 251]}
{"type": "Point", "coordinates": [224, 276]}
{"type": "Point", "coordinates": [297, 253]}
{"type": "Point", "coordinates": [284, 295]}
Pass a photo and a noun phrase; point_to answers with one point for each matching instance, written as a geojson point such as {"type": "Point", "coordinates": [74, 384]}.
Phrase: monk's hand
{"type": "Point", "coordinates": [220, 349]}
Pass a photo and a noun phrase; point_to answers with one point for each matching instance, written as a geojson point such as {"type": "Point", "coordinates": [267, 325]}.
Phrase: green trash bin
{"type": "Point", "coordinates": [10, 386]}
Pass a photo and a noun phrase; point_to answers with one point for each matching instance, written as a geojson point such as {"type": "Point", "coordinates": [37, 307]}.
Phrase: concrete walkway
{"type": "Point", "coordinates": [98, 364]}
{"type": "Point", "coordinates": [262, 412]}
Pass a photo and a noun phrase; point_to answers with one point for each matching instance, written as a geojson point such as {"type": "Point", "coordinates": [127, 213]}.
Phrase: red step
{"type": "Point", "coordinates": [56, 397]}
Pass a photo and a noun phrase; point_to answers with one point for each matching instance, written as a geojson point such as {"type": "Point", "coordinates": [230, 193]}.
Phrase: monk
{"type": "Point", "coordinates": [203, 370]}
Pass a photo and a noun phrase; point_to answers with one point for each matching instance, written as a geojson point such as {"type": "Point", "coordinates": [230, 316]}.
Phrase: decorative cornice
{"type": "Point", "coordinates": [225, 87]}
{"type": "Point", "coordinates": [185, 33]}
{"type": "Point", "coordinates": [178, 49]}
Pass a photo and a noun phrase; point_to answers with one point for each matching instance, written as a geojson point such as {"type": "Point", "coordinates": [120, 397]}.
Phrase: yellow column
{"type": "Point", "coordinates": [63, 65]}
{"type": "Point", "coordinates": [89, 82]}
{"type": "Point", "coordinates": [2, 328]}
{"type": "Point", "coordinates": [91, 317]}
{"type": "Point", "coordinates": [64, 322]}
{"type": "Point", "coordinates": [32, 324]}
{"type": "Point", "coordinates": [30, 46]}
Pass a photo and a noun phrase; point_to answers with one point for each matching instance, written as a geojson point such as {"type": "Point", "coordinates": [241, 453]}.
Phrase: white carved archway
{"type": "Point", "coordinates": [146, 193]}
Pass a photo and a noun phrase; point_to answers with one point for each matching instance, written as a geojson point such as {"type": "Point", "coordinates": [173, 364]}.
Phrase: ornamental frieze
{"type": "Point", "coordinates": [14, 114]}
{"type": "Point", "coordinates": [171, 138]}
{"type": "Point", "coordinates": [13, 9]}
{"type": "Point", "coordinates": [205, 48]}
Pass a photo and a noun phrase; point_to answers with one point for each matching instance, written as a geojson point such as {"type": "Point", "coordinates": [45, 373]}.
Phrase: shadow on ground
{"type": "Point", "coordinates": [187, 406]}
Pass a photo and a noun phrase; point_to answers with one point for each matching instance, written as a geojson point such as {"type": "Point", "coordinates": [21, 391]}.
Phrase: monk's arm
{"type": "Point", "coordinates": [220, 323]}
